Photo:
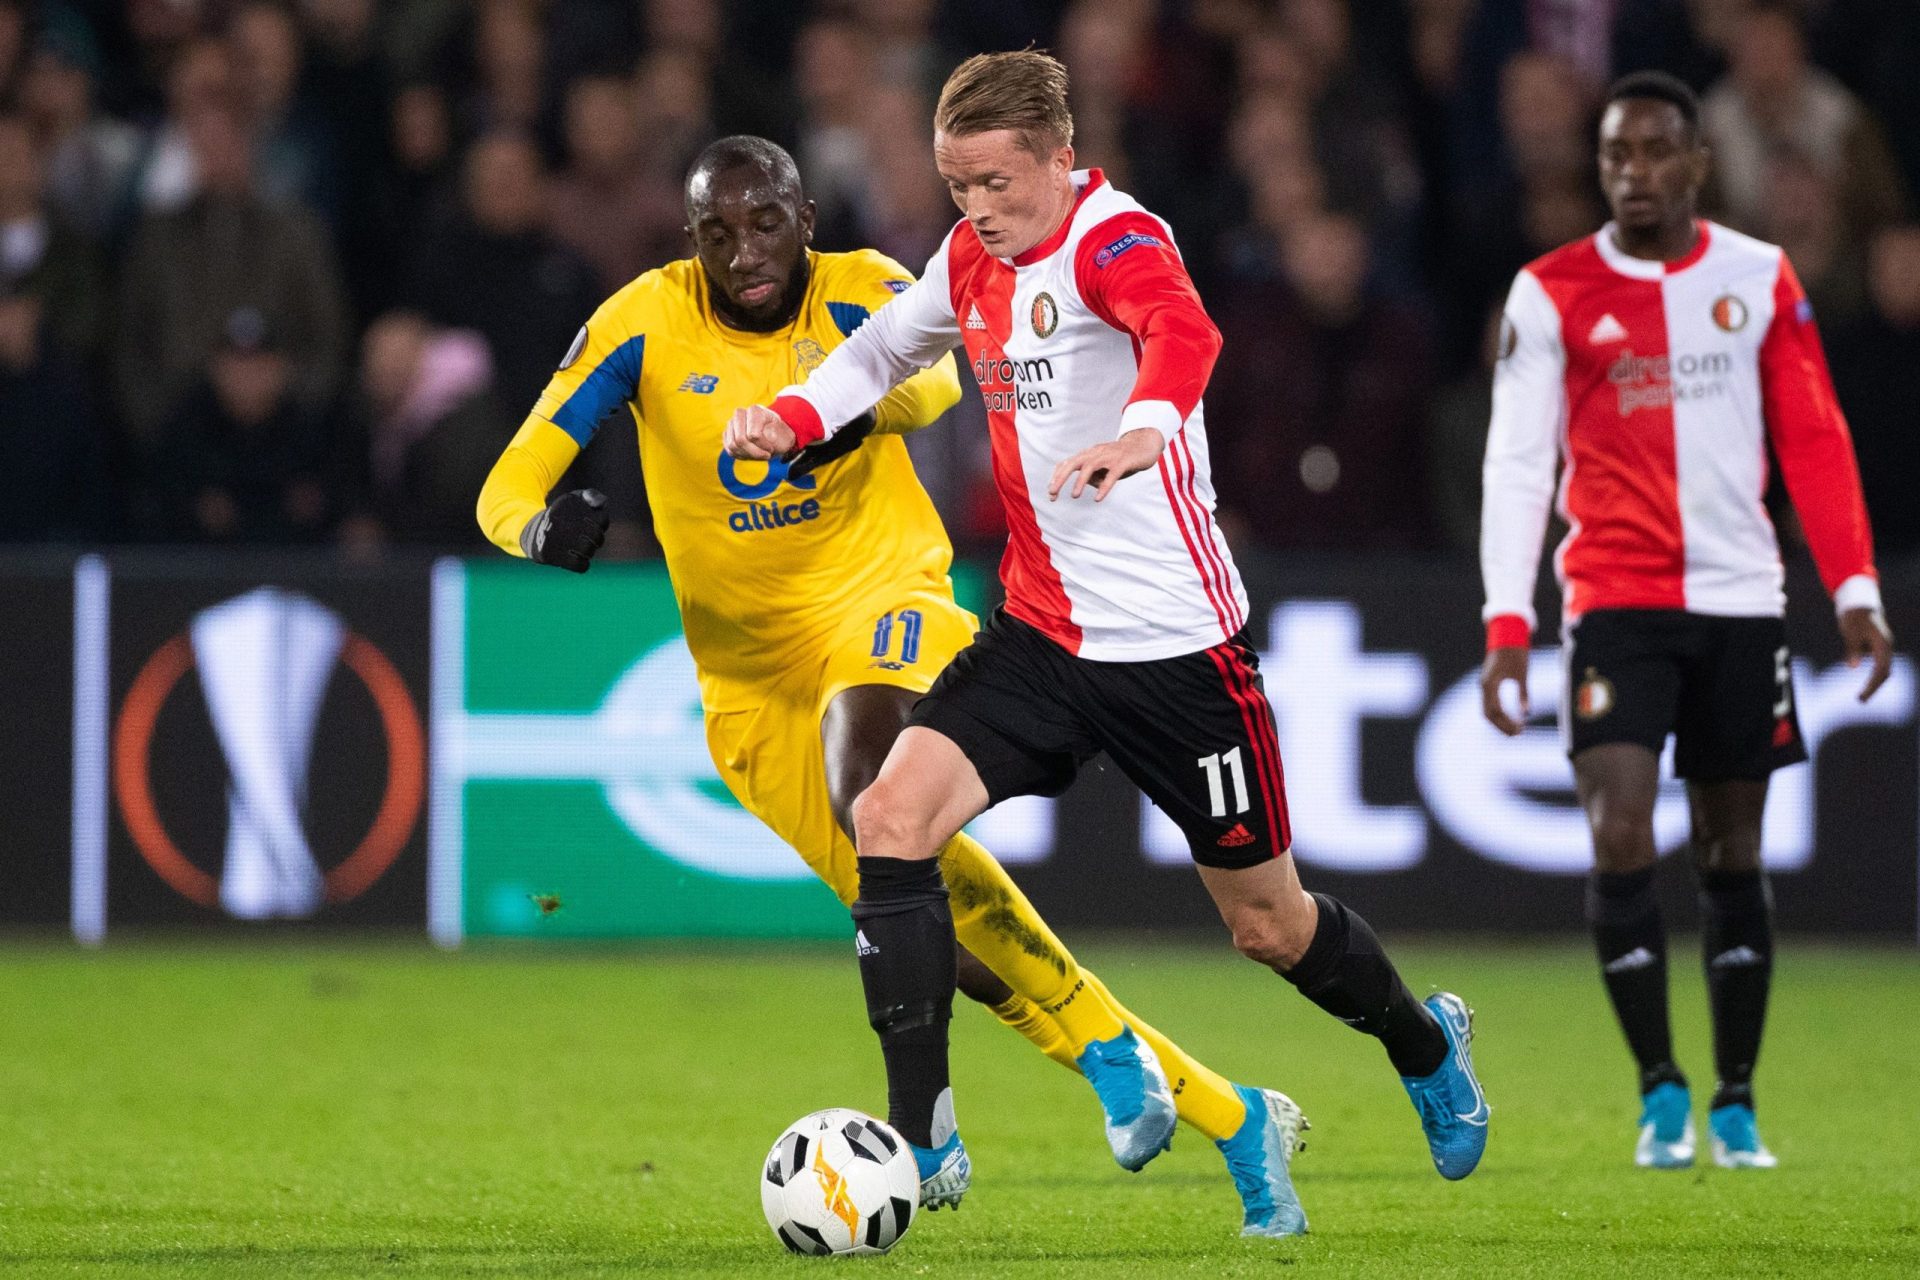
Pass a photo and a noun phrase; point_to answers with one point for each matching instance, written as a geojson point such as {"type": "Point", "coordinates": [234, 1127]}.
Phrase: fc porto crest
{"type": "Point", "coordinates": [1046, 316]}
{"type": "Point", "coordinates": [809, 355]}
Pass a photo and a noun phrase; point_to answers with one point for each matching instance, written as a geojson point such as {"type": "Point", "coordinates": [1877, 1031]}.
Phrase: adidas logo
{"type": "Point", "coordinates": [1638, 958]}
{"type": "Point", "coordinates": [1737, 958]}
{"type": "Point", "coordinates": [861, 946]}
{"type": "Point", "coordinates": [973, 318]}
{"type": "Point", "coordinates": [1607, 330]}
{"type": "Point", "coordinates": [1235, 838]}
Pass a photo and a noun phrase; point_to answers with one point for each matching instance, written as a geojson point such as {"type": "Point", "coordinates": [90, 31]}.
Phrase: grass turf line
{"type": "Point", "coordinates": [389, 1111]}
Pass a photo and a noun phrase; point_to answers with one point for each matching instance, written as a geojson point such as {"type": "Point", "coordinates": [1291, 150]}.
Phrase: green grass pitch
{"type": "Point", "coordinates": [385, 1110]}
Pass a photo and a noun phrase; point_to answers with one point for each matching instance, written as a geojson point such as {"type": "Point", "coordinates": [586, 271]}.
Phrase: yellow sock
{"type": "Point", "coordinates": [1024, 1016]}
{"type": "Point", "coordinates": [1204, 1098]}
{"type": "Point", "coordinates": [994, 920]}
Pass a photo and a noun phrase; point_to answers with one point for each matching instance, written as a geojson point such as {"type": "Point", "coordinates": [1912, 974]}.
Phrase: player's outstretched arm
{"type": "Point", "coordinates": [516, 489]}
{"type": "Point", "coordinates": [901, 339]}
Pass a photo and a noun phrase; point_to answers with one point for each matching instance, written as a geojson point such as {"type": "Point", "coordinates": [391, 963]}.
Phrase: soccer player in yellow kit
{"type": "Point", "coordinates": [816, 601]}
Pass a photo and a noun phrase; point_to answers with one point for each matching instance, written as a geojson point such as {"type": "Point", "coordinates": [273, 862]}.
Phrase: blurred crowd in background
{"type": "Point", "coordinates": [293, 272]}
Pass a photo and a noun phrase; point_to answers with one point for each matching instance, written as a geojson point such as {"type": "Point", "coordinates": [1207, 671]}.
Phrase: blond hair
{"type": "Point", "coordinates": [1025, 91]}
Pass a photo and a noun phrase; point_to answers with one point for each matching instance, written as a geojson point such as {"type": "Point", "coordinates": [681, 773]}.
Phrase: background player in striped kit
{"type": "Point", "coordinates": [1662, 356]}
{"type": "Point", "coordinates": [1124, 626]}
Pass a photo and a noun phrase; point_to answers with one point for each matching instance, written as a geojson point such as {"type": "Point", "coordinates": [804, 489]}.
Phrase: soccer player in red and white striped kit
{"type": "Point", "coordinates": [1660, 358]}
{"type": "Point", "coordinates": [1124, 628]}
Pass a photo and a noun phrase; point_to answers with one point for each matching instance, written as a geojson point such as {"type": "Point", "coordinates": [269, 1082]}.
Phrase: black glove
{"type": "Point", "coordinates": [568, 532]}
{"type": "Point", "coordinates": [843, 442]}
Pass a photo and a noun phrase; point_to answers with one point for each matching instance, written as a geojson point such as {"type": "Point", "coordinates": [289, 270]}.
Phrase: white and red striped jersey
{"type": "Point", "coordinates": [1661, 384]}
{"type": "Point", "coordinates": [1088, 335]}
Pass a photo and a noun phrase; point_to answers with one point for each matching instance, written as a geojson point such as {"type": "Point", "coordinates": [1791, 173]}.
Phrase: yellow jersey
{"type": "Point", "coordinates": [763, 566]}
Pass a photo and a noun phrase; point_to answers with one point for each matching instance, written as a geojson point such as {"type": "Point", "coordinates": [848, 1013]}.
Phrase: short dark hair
{"type": "Point", "coordinates": [1661, 87]}
{"type": "Point", "coordinates": [744, 151]}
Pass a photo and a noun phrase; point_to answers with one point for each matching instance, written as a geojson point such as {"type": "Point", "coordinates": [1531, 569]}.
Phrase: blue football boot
{"type": "Point", "coordinates": [945, 1170]}
{"type": "Point", "coordinates": [1666, 1127]}
{"type": "Point", "coordinates": [1133, 1091]}
{"type": "Point", "coordinates": [1453, 1110]}
{"type": "Point", "coordinates": [945, 1173]}
{"type": "Point", "coordinates": [1736, 1142]}
{"type": "Point", "coordinates": [1260, 1157]}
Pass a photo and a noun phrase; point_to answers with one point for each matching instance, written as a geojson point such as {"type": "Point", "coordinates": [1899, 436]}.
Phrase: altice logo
{"type": "Point", "coordinates": [767, 515]}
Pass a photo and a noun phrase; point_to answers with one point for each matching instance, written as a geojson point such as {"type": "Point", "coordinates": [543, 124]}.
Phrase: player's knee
{"type": "Point", "coordinates": [1728, 851]}
{"type": "Point", "coordinates": [1622, 842]}
{"type": "Point", "coordinates": [1271, 934]}
{"type": "Point", "coordinates": [885, 824]}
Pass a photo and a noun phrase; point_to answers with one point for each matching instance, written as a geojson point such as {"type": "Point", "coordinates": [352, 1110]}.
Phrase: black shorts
{"type": "Point", "coordinates": [1722, 686]}
{"type": "Point", "coordinates": [1194, 732]}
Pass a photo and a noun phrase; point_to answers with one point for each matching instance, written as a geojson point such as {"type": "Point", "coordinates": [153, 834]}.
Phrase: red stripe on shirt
{"type": "Point", "coordinates": [1035, 593]}
{"type": "Point", "coordinates": [1621, 490]}
{"type": "Point", "coordinates": [1175, 504]}
{"type": "Point", "coordinates": [1203, 522]}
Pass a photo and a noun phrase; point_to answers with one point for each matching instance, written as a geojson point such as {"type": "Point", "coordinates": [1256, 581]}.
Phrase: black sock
{"type": "Point", "coordinates": [1631, 941]}
{"type": "Point", "coordinates": [904, 934]}
{"type": "Point", "coordinates": [1346, 972]}
{"type": "Point", "coordinates": [1737, 949]}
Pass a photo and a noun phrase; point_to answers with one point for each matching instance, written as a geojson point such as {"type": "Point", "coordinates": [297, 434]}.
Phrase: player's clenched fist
{"type": "Point", "coordinates": [568, 532]}
{"type": "Point", "coordinates": [757, 432]}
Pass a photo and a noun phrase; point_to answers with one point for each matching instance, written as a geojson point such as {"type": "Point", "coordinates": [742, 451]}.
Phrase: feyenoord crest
{"type": "Point", "coordinates": [1729, 313]}
{"type": "Point", "coordinates": [1046, 316]}
{"type": "Point", "coordinates": [264, 661]}
{"type": "Point", "coordinates": [1594, 697]}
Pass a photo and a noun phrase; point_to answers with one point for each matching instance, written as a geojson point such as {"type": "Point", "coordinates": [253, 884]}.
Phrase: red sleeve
{"type": "Point", "coordinates": [1131, 276]}
{"type": "Point", "coordinates": [1810, 437]}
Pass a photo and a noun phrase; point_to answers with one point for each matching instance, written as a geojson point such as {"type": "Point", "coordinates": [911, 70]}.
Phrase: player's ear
{"type": "Point", "coordinates": [1702, 163]}
{"type": "Point", "coordinates": [808, 212]}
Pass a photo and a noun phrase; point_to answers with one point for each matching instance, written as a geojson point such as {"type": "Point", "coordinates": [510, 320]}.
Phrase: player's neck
{"type": "Point", "coordinates": [1668, 242]}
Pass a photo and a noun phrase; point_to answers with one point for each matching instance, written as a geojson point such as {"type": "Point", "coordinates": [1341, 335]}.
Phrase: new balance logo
{"type": "Point", "coordinates": [1737, 958]}
{"type": "Point", "coordinates": [973, 319]}
{"type": "Point", "coordinates": [1607, 330]}
{"type": "Point", "coordinates": [1638, 958]}
{"type": "Point", "coordinates": [861, 946]}
{"type": "Point", "coordinates": [701, 384]}
{"type": "Point", "coordinates": [1236, 838]}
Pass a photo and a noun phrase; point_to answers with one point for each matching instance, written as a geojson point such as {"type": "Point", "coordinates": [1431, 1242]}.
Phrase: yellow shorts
{"type": "Point", "coordinates": [771, 757]}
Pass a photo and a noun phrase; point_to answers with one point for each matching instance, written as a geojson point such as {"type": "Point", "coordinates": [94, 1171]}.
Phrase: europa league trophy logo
{"type": "Point", "coordinates": [264, 660]}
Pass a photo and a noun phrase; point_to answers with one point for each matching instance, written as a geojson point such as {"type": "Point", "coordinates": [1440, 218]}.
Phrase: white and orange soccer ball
{"type": "Point", "coordinates": [840, 1182]}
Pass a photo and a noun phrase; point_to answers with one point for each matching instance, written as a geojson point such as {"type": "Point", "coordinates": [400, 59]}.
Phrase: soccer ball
{"type": "Point", "coordinates": [840, 1182]}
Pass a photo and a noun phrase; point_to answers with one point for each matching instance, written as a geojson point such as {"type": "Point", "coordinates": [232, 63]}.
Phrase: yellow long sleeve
{"type": "Point", "coordinates": [920, 400]}
{"type": "Point", "coordinates": [516, 489]}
